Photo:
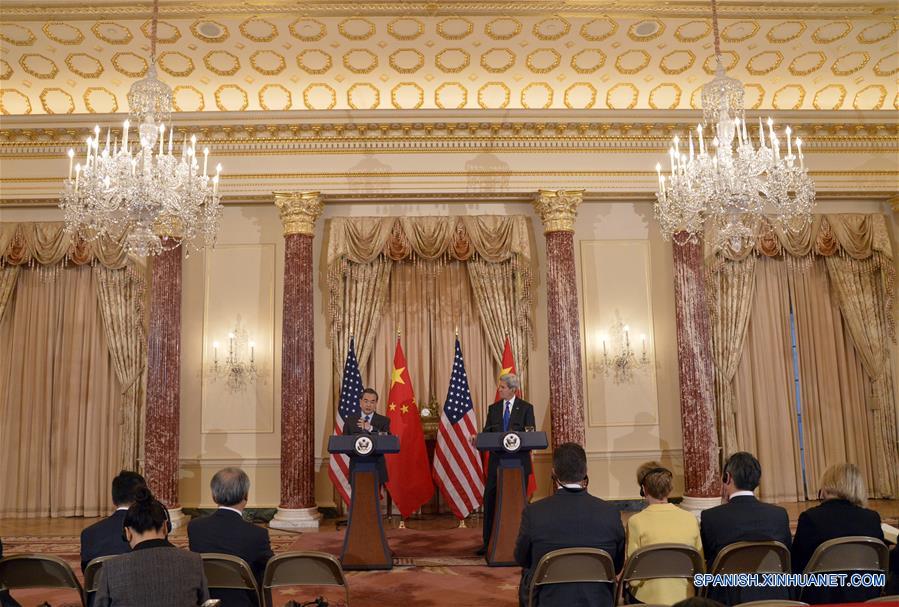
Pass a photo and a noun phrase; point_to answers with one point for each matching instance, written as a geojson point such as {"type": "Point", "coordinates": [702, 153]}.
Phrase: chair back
{"type": "Point", "coordinates": [228, 571]}
{"type": "Point", "coordinates": [38, 571]}
{"type": "Point", "coordinates": [773, 603]}
{"type": "Point", "coordinates": [850, 553]}
{"type": "Point", "coordinates": [568, 565]}
{"type": "Point", "coordinates": [753, 557]}
{"type": "Point", "coordinates": [302, 569]}
{"type": "Point", "coordinates": [661, 561]}
{"type": "Point", "coordinates": [92, 572]}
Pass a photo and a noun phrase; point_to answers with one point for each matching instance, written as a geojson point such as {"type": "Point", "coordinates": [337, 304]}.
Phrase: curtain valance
{"type": "Point", "coordinates": [47, 243]}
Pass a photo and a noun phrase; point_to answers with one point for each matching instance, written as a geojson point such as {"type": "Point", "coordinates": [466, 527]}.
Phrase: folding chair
{"type": "Point", "coordinates": [302, 569]}
{"type": "Point", "coordinates": [660, 561]}
{"type": "Point", "coordinates": [572, 565]}
{"type": "Point", "coordinates": [38, 571]}
{"type": "Point", "coordinates": [228, 571]}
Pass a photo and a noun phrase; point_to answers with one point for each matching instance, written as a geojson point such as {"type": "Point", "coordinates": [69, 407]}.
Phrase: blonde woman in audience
{"type": "Point", "coordinates": [659, 523]}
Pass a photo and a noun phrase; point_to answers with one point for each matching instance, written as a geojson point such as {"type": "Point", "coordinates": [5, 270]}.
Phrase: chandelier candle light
{"type": "Point", "coordinates": [145, 192]}
{"type": "Point", "coordinates": [729, 188]}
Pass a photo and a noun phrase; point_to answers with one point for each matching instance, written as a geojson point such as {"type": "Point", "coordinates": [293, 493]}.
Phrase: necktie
{"type": "Point", "coordinates": [507, 413]}
{"type": "Point", "coordinates": [368, 419]}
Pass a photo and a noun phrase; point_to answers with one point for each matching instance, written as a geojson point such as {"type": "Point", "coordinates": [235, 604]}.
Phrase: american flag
{"type": "Point", "coordinates": [457, 465]}
{"type": "Point", "coordinates": [350, 393]}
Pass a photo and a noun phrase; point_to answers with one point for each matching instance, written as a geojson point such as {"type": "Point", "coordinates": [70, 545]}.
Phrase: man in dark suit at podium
{"type": "Point", "coordinates": [370, 422]}
{"type": "Point", "coordinates": [507, 414]}
{"type": "Point", "coordinates": [104, 538]}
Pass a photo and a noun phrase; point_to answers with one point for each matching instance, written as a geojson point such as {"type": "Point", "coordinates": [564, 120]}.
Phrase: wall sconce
{"type": "Point", "coordinates": [237, 370]}
{"type": "Point", "coordinates": [618, 357]}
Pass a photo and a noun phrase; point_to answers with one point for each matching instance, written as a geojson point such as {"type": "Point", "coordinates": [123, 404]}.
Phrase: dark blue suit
{"type": "Point", "coordinates": [104, 538]}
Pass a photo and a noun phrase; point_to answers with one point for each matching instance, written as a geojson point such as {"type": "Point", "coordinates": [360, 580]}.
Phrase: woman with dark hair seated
{"type": "Point", "coordinates": [155, 573]}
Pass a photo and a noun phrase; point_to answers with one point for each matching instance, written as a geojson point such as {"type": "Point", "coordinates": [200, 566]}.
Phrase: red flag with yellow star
{"type": "Point", "coordinates": [508, 366]}
{"type": "Point", "coordinates": [410, 483]}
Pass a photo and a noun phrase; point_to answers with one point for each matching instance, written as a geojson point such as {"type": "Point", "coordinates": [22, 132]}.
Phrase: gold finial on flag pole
{"type": "Point", "coordinates": [397, 332]}
{"type": "Point", "coordinates": [457, 331]}
{"type": "Point", "coordinates": [402, 524]}
{"type": "Point", "coordinates": [462, 524]}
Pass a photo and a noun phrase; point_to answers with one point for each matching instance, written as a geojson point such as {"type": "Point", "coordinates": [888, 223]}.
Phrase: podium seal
{"type": "Point", "coordinates": [364, 445]}
{"type": "Point", "coordinates": [511, 442]}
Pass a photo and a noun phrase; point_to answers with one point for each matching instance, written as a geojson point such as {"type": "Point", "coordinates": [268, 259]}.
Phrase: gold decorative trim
{"type": "Point", "coordinates": [18, 42]}
{"type": "Point", "coordinates": [282, 63]}
{"type": "Point", "coordinates": [501, 85]}
{"type": "Point", "coordinates": [172, 72]}
{"type": "Point", "coordinates": [566, 27]}
{"type": "Point", "coordinates": [587, 70]}
{"type": "Point", "coordinates": [99, 89]}
{"type": "Point", "coordinates": [357, 70]}
{"type": "Point", "coordinates": [70, 63]}
{"type": "Point", "coordinates": [837, 71]}
{"type": "Point", "coordinates": [298, 211]}
{"type": "Point", "coordinates": [894, 26]}
{"type": "Point", "coordinates": [633, 35]}
{"type": "Point", "coordinates": [220, 104]}
{"type": "Point", "coordinates": [761, 97]}
{"type": "Point", "coordinates": [77, 39]}
{"type": "Point", "coordinates": [322, 30]}
{"type": "Point", "coordinates": [392, 60]}
{"type": "Point", "coordinates": [498, 70]}
{"type": "Point", "coordinates": [488, 29]}
{"type": "Point", "coordinates": [838, 104]}
{"type": "Point", "coordinates": [439, 89]}
{"type": "Point", "coordinates": [245, 31]}
{"type": "Point", "coordinates": [6, 72]}
{"type": "Point", "coordinates": [878, 104]}
{"type": "Point", "coordinates": [23, 63]}
{"type": "Point", "coordinates": [308, 91]}
{"type": "Point", "coordinates": [441, 28]}
{"type": "Point", "coordinates": [773, 39]}
{"type": "Point", "coordinates": [549, 96]}
{"type": "Point", "coordinates": [96, 29]}
{"type": "Point", "coordinates": [708, 66]}
{"type": "Point", "coordinates": [678, 33]}
{"type": "Point", "coordinates": [567, 98]}
{"type": "Point", "coordinates": [557, 209]}
{"type": "Point", "coordinates": [632, 70]}
{"type": "Point", "coordinates": [341, 27]}
{"type": "Point", "coordinates": [193, 89]}
{"type": "Point", "coordinates": [267, 87]}
{"type": "Point", "coordinates": [881, 72]}
{"type": "Point", "coordinates": [321, 70]}
{"type": "Point", "coordinates": [672, 71]}
{"type": "Point", "coordinates": [438, 61]}
{"type": "Point", "coordinates": [613, 27]}
{"type": "Point", "coordinates": [817, 38]}
{"type": "Point", "coordinates": [677, 96]}
{"type": "Point", "coordinates": [391, 28]}
{"type": "Point", "coordinates": [146, 26]}
{"type": "Point", "coordinates": [359, 85]}
{"type": "Point", "coordinates": [394, 96]}
{"type": "Point", "coordinates": [46, 93]}
{"type": "Point", "coordinates": [785, 89]}
{"type": "Point", "coordinates": [6, 91]}
{"type": "Point", "coordinates": [130, 73]}
{"type": "Point", "coordinates": [530, 61]}
{"type": "Point", "coordinates": [822, 58]}
{"type": "Point", "coordinates": [633, 102]}
{"type": "Point", "coordinates": [235, 62]}
{"type": "Point", "coordinates": [779, 57]}
{"type": "Point", "coordinates": [753, 26]}
{"type": "Point", "coordinates": [195, 30]}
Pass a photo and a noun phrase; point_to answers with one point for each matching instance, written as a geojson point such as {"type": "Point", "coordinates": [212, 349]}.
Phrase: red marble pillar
{"type": "Point", "coordinates": [163, 416]}
{"type": "Point", "coordinates": [702, 480]}
{"type": "Point", "coordinates": [297, 508]}
{"type": "Point", "coordinates": [557, 210]}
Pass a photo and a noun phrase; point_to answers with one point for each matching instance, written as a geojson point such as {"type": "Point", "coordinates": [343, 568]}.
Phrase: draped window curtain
{"type": "Point", "coordinates": [72, 355]}
{"type": "Point", "coordinates": [837, 277]}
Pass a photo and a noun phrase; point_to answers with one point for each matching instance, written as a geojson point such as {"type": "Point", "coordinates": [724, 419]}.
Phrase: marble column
{"type": "Point", "coordinates": [702, 479]}
{"type": "Point", "coordinates": [163, 413]}
{"type": "Point", "coordinates": [557, 210]}
{"type": "Point", "coordinates": [297, 509]}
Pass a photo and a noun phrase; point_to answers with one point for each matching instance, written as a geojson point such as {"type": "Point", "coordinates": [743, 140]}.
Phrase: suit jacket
{"type": "Point", "coordinates": [522, 415]}
{"type": "Point", "coordinates": [568, 519]}
{"type": "Point", "coordinates": [226, 532]}
{"type": "Point", "coordinates": [154, 574]}
{"type": "Point", "coordinates": [104, 538]}
{"type": "Point", "coordinates": [379, 423]}
{"type": "Point", "coordinates": [743, 519]}
{"type": "Point", "coordinates": [832, 519]}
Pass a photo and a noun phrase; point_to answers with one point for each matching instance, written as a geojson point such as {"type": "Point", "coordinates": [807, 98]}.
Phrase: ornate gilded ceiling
{"type": "Point", "coordinates": [239, 62]}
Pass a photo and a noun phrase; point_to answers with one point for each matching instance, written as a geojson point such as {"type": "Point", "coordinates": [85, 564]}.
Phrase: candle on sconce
{"type": "Point", "coordinates": [252, 351]}
{"type": "Point", "coordinates": [643, 340]}
{"type": "Point", "coordinates": [71, 160]}
{"type": "Point", "coordinates": [627, 340]}
{"type": "Point", "coordinates": [603, 338]}
{"type": "Point", "coordinates": [215, 352]}
{"type": "Point", "coordinates": [231, 346]}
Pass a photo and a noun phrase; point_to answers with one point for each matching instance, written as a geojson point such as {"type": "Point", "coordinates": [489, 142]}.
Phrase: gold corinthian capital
{"type": "Point", "coordinates": [558, 209]}
{"type": "Point", "coordinates": [299, 210]}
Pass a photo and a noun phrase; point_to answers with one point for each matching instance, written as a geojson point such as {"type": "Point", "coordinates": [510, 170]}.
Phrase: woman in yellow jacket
{"type": "Point", "coordinates": [660, 523]}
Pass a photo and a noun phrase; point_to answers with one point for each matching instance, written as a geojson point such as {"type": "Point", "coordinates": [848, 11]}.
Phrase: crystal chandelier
{"type": "Point", "coordinates": [623, 361]}
{"type": "Point", "coordinates": [728, 187]}
{"type": "Point", "coordinates": [143, 190]}
{"type": "Point", "coordinates": [236, 370]}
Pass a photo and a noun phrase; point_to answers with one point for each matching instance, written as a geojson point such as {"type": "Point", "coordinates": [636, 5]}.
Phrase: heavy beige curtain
{"type": "Point", "coordinates": [8, 275]}
{"type": "Point", "coordinates": [59, 398]}
{"type": "Point", "coordinates": [765, 420]}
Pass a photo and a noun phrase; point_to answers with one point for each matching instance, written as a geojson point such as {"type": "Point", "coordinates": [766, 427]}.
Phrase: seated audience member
{"type": "Point", "coordinates": [226, 532]}
{"type": "Point", "coordinates": [841, 513]}
{"type": "Point", "coordinates": [569, 518]}
{"type": "Point", "coordinates": [742, 518]}
{"type": "Point", "coordinates": [660, 523]}
{"type": "Point", "coordinates": [104, 538]}
{"type": "Point", "coordinates": [155, 573]}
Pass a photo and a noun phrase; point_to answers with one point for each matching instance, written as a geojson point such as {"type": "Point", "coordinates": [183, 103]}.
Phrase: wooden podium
{"type": "Point", "coordinates": [511, 489]}
{"type": "Point", "coordinates": [364, 544]}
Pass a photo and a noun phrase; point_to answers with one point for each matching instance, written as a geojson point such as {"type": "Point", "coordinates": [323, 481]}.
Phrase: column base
{"type": "Point", "coordinates": [296, 518]}
{"type": "Point", "coordinates": [695, 505]}
{"type": "Point", "coordinates": [178, 518]}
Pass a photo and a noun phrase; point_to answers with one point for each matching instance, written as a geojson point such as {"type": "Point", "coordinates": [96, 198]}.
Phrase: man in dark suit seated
{"type": "Point", "coordinates": [226, 532]}
{"type": "Point", "coordinates": [570, 518]}
{"type": "Point", "coordinates": [104, 538]}
{"type": "Point", "coordinates": [742, 518]}
{"type": "Point", "coordinates": [370, 422]}
{"type": "Point", "coordinates": [505, 415]}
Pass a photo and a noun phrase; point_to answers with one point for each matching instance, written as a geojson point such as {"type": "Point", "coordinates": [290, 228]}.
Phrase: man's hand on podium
{"type": "Point", "coordinates": [362, 425]}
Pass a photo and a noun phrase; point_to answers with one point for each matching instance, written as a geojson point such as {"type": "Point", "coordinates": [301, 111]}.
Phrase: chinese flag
{"type": "Point", "coordinates": [508, 366]}
{"type": "Point", "coordinates": [410, 483]}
